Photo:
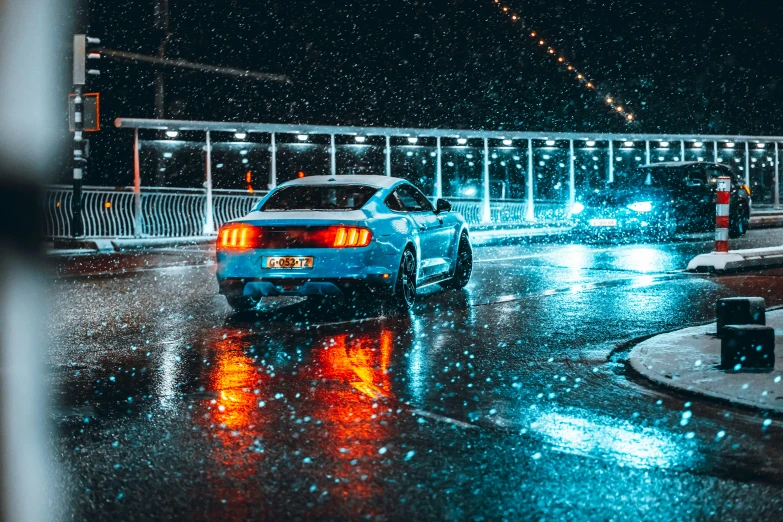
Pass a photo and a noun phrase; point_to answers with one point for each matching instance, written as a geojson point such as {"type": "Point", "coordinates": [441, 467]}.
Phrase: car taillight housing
{"type": "Point", "coordinates": [239, 236]}
{"type": "Point", "coordinates": [351, 237]}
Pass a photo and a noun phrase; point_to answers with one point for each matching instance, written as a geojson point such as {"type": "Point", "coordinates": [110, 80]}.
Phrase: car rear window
{"type": "Point", "coordinates": [319, 197]}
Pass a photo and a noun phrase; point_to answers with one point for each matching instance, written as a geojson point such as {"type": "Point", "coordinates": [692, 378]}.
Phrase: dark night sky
{"type": "Point", "coordinates": [706, 66]}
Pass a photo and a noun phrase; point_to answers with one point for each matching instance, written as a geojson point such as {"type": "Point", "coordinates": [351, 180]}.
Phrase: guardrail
{"type": "Point", "coordinates": [163, 212]}
{"type": "Point", "coordinates": [509, 211]}
{"type": "Point", "coordinates": [179, 212]}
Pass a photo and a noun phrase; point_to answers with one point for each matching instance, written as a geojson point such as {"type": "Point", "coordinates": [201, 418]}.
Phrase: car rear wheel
{"type": "Point", "coordinates": [241, 303]}
{"type": "Point", "coordinates": [405, 288]}
{"type": "Point", "coordinates": [464, 265]}
{"type": "Point", "coordinates": [738, 224]}
{"type": "Point", "coordinates": [669, 226]}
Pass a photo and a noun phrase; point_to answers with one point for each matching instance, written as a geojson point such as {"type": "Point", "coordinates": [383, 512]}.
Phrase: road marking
{"type": "Point", "coordinates": [441, 418]}
{"type": "Point", "coordinates": [513, 258]}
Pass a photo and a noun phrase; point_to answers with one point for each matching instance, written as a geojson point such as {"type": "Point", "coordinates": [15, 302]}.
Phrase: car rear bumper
{"type": "Point", "coordinates": [334, 272]}
{"type": "Point", "coordinates": [622, 225]}
{"type": "Point", "coordinates": [273, 287]}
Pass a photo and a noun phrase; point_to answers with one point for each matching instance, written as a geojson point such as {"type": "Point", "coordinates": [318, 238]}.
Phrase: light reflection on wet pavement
{"type": "Point", "coordinates": [170, 408]}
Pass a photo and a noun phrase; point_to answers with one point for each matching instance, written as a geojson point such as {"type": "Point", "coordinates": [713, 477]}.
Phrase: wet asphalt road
{"type": "Point", "coordinates": [509, 400]}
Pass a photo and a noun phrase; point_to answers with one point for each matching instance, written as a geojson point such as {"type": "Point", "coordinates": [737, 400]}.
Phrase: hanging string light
{"type": "Point", "coordinates": [580, 76]}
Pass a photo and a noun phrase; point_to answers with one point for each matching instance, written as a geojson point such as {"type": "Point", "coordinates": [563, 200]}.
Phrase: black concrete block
{"type": "Point", "coordinates": [751, 346]}
{"type": "Point", "coordinates": [740, 310]}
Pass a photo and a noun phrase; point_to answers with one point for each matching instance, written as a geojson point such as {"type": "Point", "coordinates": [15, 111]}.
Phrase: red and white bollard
{"type": "Point", "coordinates": [722, 215]}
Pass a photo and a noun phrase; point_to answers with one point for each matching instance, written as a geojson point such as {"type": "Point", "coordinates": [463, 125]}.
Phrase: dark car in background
{"type": "Point", "coordinates": [662, 199]}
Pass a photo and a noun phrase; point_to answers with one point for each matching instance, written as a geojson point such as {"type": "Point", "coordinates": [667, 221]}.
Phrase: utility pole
{"type": "Point", "coordinates": [81, 53]}
{"type": "Point", "coordinates": [161, 25]}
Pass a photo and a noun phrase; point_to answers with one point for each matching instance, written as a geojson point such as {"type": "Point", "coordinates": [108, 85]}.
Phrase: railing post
{"type": "Point", "coordinates": [611, 161]}
{"type": "Point", "coordinates": [273, 162]}
{"type": "Point", "coordinates": [715, 151]}
{"type": "Point", "coordinates": [777, 176]}
{"type": "Point", "coordinates": [388, 156]}
{"type": "Point", "coordinates": [682, 151]}
{"type": "Point", "coordinates": [647, 151]}
{"type": "Point", "coordinates": [486, 213]}
{"type": "Point", "coordinates": [747, 164]}
{"type": "Point", "coordinates": [571, 176]}
{"type": "Point", "coordinates": [136, 186]}
{"type": "Point", "coordinates": [209, 220]}
{"type": "Point", "coordinates": [438, 169]}
{"type": "Point", "coordinates": [332, 157]}
{"type": "Point", "coordinates": [530, 211]}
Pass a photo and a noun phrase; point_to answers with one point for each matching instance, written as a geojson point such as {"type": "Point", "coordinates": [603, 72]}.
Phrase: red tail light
{"type": "Point", "coordinates": [351, 237]}
{"type": "Point", "coordinates": [238, 236]}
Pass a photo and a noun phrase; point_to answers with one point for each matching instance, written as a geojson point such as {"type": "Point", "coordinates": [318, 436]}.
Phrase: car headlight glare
{"type": "Point", "coordinates": [641, 206]}
{"type": "Point", "coordinates": [577, 208]}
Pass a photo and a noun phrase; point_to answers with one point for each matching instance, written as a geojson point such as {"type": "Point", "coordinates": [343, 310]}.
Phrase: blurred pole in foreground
{"type": "Point", "coordinates": [32, 112]}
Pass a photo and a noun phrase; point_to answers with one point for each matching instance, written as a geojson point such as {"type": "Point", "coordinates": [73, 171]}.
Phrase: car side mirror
{"type": "Point", "coordinates": [442, 206]}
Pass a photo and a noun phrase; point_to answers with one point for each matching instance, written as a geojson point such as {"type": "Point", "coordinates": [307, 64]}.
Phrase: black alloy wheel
{"type": "Point", "coordinates": [738, 223]}
{"type": "Point", "coordinates": [464, 265]}
{"type": "Point", "coordinates": [405, 288]}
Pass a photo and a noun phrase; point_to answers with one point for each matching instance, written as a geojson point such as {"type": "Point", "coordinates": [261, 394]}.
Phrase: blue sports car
{"type": "Point", "coordinates": [343, 235]}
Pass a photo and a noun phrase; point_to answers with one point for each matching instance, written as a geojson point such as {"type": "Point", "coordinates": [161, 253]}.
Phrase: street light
{"type": "Point", "coordinates": [240, 135]}
{"type": "Point", "coordinates": [172, 133]}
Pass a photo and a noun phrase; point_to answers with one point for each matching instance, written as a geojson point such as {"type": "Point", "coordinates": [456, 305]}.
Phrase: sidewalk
{"type": "Point", "coordinates": [688, 359]}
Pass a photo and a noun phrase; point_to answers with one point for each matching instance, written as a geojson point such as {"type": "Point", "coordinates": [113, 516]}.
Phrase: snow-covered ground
{"type": "Point", "coordinates": [688, 359]}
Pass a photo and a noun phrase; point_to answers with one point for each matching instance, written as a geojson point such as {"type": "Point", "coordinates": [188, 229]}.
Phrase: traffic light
{"type": "Point", "coordinates": [82, 52]}
{"type": "Point", "coordinates": [79, 102]}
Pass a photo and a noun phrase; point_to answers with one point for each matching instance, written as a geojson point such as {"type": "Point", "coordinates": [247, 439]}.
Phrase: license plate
{"type": "Point", "coordinates": [287, 262]}
{"type": "Point", "coordinates": [603, 222]}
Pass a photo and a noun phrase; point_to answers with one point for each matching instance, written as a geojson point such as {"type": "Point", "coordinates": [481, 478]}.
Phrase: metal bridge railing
{"type": "Point", "coordinates": [180, 212]}
{"type": "Point", "coordinates": [164, 212]}
{"type": "Point", "coordinates": [510, 212]}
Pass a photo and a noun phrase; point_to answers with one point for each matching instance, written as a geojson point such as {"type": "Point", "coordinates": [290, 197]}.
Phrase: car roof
{"type": "Point", "coordinates": [677, 164]}
{"type": "Point", "coordinates": [370, 180]}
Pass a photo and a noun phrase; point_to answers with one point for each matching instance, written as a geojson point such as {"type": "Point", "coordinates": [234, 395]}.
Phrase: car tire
{"type": "Point", "coordinates": [464, 265]}
{"type": "Point", "coordinates": [241, 303]}
{"type": "Point", "coordinates": [669, 227]}
{"type": "Point", "coordinates": [738, 224]}
{"type": "Point", "coordinates": [405, 287]}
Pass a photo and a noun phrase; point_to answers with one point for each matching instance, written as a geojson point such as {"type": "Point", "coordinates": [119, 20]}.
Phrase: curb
{"type": "Point", "coordinates": [157, 242]}
{"type": "Point", "coordinates": [493, 236]}
{"type": "Point", "coordinates": [737, 260]}
{"type": "Point", "coordinates": [703, 381]}
{"type": "Point", "coordinates": [68, 247]}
